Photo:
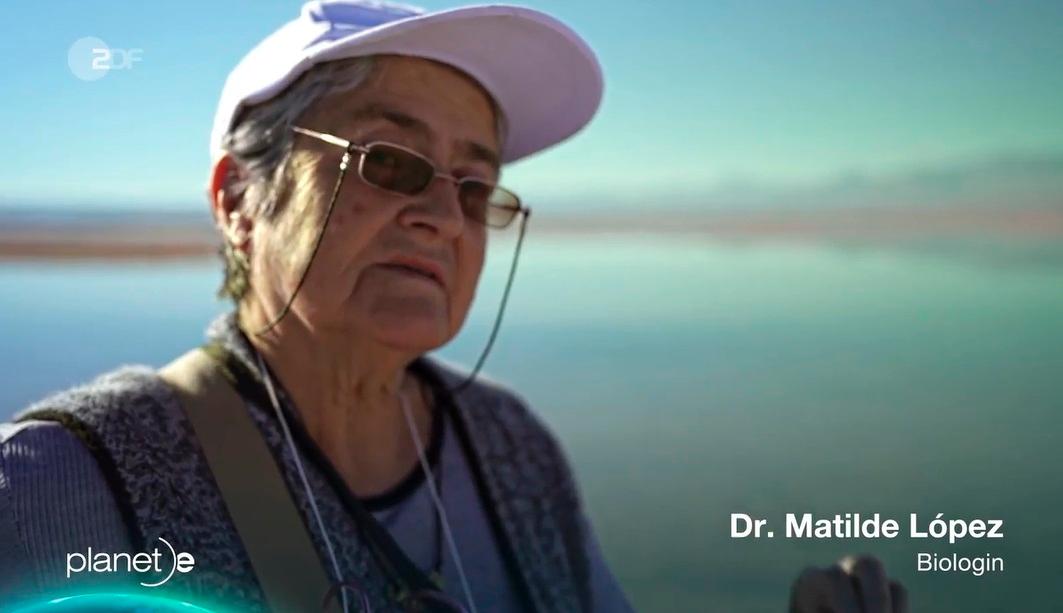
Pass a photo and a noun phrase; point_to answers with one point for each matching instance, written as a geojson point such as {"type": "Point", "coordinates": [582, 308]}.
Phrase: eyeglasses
{"type": "Point", "coordinates": [399, 170]}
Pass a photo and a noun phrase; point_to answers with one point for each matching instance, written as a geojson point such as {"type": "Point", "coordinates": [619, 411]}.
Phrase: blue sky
{"type": "Point", "coordinates": [699, 96]}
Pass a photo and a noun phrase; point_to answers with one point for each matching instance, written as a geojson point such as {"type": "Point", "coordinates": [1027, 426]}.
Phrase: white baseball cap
{"type": "Point", "coordinates": [543, 76]}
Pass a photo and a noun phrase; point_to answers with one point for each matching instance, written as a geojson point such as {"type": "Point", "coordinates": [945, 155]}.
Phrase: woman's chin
{"type": "Point", "coordinates": [414, 334]}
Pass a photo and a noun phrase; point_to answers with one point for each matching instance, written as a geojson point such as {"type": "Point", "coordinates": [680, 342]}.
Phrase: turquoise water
{"type": "Point", "coordinates": [691, 379]}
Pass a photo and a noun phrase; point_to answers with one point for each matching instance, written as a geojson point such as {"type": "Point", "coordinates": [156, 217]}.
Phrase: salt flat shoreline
{"type": "Point", "coordinates": [142, 238]}
{"type": "Point", "coordinates": [104, 242]}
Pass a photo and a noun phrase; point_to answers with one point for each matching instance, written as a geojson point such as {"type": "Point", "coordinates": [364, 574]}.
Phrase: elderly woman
{"type": "Point", "coordinates": [311, 454]}
{"type": "Point", "coordinates": [357, 152]}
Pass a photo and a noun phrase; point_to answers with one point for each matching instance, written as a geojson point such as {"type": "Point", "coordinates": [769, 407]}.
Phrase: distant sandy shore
{"type": "Point", "coordinates": [144, 240]}
{"type": "Point", "coordinates": [123, 242]}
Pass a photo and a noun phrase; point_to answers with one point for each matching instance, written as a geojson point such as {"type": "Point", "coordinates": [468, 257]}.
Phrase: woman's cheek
{"type": "Point", "coordinates": [471, 266]}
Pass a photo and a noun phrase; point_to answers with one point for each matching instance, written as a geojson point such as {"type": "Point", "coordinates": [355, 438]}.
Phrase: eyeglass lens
{"type": "Point", "coordinates": [401, 171]}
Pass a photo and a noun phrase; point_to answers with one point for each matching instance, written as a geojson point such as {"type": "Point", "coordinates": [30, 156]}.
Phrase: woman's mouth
{"type": "Point", "coordinates": [417, 268]}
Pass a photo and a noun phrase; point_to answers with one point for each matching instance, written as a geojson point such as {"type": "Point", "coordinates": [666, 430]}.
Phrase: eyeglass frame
{"type": "Point", "coordinates": [363, 150]}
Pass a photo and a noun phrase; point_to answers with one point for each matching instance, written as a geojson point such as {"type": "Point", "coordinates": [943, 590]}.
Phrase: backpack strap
{"type": "Point", "coordinates": [282, 554]}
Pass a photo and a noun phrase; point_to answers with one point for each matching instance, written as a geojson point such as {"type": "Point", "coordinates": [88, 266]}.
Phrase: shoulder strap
{"type": "Point", "coordinates": [274, 536]}
{"type": "Point", "coordinates": [405, 578]}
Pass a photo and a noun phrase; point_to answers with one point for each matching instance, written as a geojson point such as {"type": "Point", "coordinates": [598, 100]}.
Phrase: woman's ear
{"type": "Point", "coordinates": [227, 203]}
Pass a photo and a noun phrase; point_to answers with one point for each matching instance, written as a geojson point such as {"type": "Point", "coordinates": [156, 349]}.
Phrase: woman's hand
{"type": "Point", "coordinates": [853, 585]}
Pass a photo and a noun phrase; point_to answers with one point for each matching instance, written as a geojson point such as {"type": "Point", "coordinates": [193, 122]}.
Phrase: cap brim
{"type": "Point", "coordinates": [542, 75]}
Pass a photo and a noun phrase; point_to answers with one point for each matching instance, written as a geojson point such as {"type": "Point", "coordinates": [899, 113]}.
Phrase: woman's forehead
{"type": "Point", "coordinates": [430, 100]}
{"type": "Point", "coordinates": [375, 112]}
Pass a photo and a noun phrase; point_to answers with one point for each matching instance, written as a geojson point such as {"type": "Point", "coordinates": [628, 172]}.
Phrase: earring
{"type": "Point", "coordinates": [237, 271]}
{"type": "Point", "coordinates": [236, 235]}
{"type": "Point", "coordinates": [237, 255]}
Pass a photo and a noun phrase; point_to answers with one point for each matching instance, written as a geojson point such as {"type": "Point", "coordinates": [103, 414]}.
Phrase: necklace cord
{"type": "Point", "coordinates": [436, 500]}
{"type": "Point", "coordinates": [407, 592]}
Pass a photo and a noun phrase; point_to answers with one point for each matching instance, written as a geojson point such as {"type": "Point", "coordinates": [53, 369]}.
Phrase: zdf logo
{"type": "Point", "coordinates": [90, 58]}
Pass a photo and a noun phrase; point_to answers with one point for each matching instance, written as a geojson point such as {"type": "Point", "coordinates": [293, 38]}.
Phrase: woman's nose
{"type": "Point", "coordinates": [439, 208]}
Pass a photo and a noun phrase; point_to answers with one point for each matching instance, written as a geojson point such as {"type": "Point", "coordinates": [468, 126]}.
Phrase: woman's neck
{"type": "Point", "coordinates": [349, 396]}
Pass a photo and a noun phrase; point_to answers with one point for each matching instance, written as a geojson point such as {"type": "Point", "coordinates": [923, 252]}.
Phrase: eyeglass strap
{"type": "Point", "coordinates": [501, 307]}
{"type": "Point", "coordinates": [345, 163]}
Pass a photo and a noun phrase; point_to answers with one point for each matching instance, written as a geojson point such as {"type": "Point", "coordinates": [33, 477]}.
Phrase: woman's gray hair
{"type": "Point", "coordinates": [260, 142]}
